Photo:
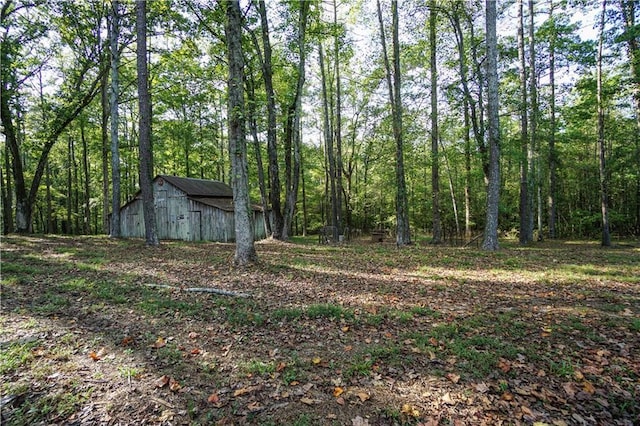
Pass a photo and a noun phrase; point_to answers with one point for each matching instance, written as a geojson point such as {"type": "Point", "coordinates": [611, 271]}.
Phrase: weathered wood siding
{"type": "Point", "coordinates": [181, 218]}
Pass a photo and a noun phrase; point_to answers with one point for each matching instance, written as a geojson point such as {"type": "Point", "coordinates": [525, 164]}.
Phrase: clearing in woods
{"type": "Point", "coordinates": [97, 331]}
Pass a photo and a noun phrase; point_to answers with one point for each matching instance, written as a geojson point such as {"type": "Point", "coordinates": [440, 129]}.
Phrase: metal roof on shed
{"type": "Point", "coordinates": [199, 187]}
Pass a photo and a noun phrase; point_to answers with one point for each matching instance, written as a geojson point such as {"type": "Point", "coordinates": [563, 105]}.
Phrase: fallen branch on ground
{"type": "Point", "coordinates": [203, 290]}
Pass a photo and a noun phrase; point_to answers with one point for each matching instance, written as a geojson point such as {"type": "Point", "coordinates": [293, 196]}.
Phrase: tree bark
{"type": "Point", "coordinates": [552, 128]}
{"type": "Point", "coordinates": [104, 138]}
{"type": "Point", "coordinates": [403, 236]}
{"type": "Point", "coordinates": [435, 158]}
{"type": "Point", "coordinates": [114, 35]}
{"type": "Point", "coordinates": [86, 220]}
{"type": "Point", "coordinates": [328, 137]}
{"type": "Point", "coordinates": [628, 8]}
{"type": "Point", "coordinates": [338, 126]}
{"type": "Point", "coordinates": [525, 229]}
{"type": "Point", "coordinates": [144, 132]}
{"type": "Point", "coordinates": [490, 241]}
{"type": "Point", "coordinates": [293, 121]}
{"type": "Point", "coordinates": [253, 125]}
{"type": "Point", "coordinates": [604, 191]}
{"type": "Point", "coordinates": [243, 214]}
{"type": "Point", "coordinates": [277, 220]}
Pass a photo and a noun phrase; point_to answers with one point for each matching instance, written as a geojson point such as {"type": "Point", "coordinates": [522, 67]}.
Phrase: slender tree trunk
{"type": "Point", "coordinates": [243, 213]}
{"type": "Point", "coordinates": [452, 191]}
{"type": "Point", "coordinates": [490, 241]}
{"type": "Point", "coordinates": [7, 192]}
{"type": "Point", "coordinates": [144, 135]}
{"type": "Point", "coordinates": [552, 128]}
{"type": "Point", "coordinates": [467, 103]}
{"type": "Point", "coordinates": [277, 220]}
{"type": "Point", "coordinates": [525, 231]}
{"type": "Point", "coordinates": [435, 160]}
{"type": "Point", "coordinates": [629, 12]}
{"type": "Point", "coordinates": [104, 133]}
{"type": "Point", "coordinates": [338, 126]}
{"type": "Point", "coordinates": [76, 193]}
{"type": "Point", "coordinates": [467, 174]}
{"type": "Point", "coordinates": [478, 122]}
{"type": "Point", "coordinates": [330, 154]}
{"type": "Point", "coordinates": [403, 236]}
{"type": "Point", "coordinates": [114, 36]}
{"type": "Point", "coordinates": [295, 112]}
{"type": "Point", "coordinates": [304, 200]}
{"type": "Point", "coordinates": [535, 180]}
{"type": "Point", "coordinates": [69, 200]}
{"type": "Point", "coordinates": [86, 220]}
{"type": "Point", "coordinates": [604, 191]}
{"type": "Point", "coordinates": [253, 125]}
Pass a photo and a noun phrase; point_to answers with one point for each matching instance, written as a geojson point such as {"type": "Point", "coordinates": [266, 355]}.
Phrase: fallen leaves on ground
{"type": "Point", "coordinates": [428, 335]}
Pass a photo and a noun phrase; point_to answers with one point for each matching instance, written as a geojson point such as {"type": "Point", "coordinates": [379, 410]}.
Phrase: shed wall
{"type": "Point", "coordinates": [181, 218]}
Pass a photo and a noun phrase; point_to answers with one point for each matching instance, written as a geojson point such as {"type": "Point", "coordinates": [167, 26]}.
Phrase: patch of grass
{"type": "Point", "coordinates": [612, 307]}
{"type": "Point", "coordinates": [634, 325]}
{"type": "Point", "coordinates": [373, 319]}
{"type": "Point", "coordinates": [50, 303]}
{"type": "Point", "coordinates": [244, 316]}
{"type": "Point", "coordinates": [360, 367]}
{"type": "Point", "coordinates": [289, 314]}
{"type": "Point", "coordinates": [303, 420]}
{"type": "Point", "coordinates": [257, 367]}
{"type": "Point", "coordinates": [128, 373]}
{"type": "Point", "coordinates": [155, 305]}
{"type": "Point", "coordinates": [402, 317]}
{"type": "Point", "coordinates": [170, 354]}
{"type": "Point", "coordinates": [562, 368]}
{"type": "Point", "coordinates": [19, 268]}
{"type": "Point", "coordinates": [424, 311]}
{"type": "Point", "coordinates": [16, 355]}
{"type": "Point", "coordinates": [327, 310]}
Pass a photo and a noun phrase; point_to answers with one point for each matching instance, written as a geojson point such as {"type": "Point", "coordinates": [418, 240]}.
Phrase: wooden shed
{"type": "Point", "coordinates": [189, 209]}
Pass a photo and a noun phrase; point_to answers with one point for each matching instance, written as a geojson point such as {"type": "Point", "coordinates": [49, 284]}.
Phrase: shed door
{"type": "Point", "coordinates": [196, 230]}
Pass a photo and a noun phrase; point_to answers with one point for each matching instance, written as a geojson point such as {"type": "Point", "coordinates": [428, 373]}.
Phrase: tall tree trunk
{"type": "Point", "coordinates": [253, 125]}
{"type": "Point", "coordinates": [435, 160]}
{"type": "Point", "coordinates": [468, 106]}
{"type": "Point", "coordinates": [114, 36]}
{"type": "Point", "coordinates": [535, 181]}
{"type": "Point", "coordinates": [86, 220]}
{"type": "Point", "coordinates": [293, 120]}
{"type": "Point", "coordinates": [604, 191]}
{"type": "Point", "coordinates": [243, 213]}
{"type": "Point", "coordinates": [478, 122]}
{"type": "Point", "coordinates": [69, 200]}
{"type": "Point", "coordinates": [277, 220]}
{"type": "Point", "coordinates": [338, 125]}
{"type": "Point", "coordinates": [628, 8]}
{"type": "Point", "coordinates": [104, 133]}
{"type": "Point", "coordinates": [467, 173]}
{"type": "Point", "coordinates": [490, 241]}
{"type": "Point", "coordinates": [552, 128]}
{"type": "Point", "coordinates": [330, 153]}
{"type": "Point", "coordinates": [452, 191]}
{"type": "Point", "coordinates": [144, 133]}
{"type": "Point", "coordinates": [525, 229]}
{"type": "Point", "coordinates": [49, 200]}
{"type": "Point", "coordinates": [403, 236]}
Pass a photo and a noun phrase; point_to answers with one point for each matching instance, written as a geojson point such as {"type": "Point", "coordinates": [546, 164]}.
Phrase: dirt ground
{"type": "Point", "coordinates": [102, 331]}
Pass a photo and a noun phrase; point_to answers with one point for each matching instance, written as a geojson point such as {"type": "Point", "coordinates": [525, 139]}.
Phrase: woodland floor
{"type": "Point", "coordinates": [354, 334]}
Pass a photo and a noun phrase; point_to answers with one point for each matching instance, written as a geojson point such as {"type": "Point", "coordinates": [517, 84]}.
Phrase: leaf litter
{"type": "Point", "coordinates": [353, 334]}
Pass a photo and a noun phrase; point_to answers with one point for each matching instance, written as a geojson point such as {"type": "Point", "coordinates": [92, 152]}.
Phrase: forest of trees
{"type": "Point", "coordinates": [357, 115]}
